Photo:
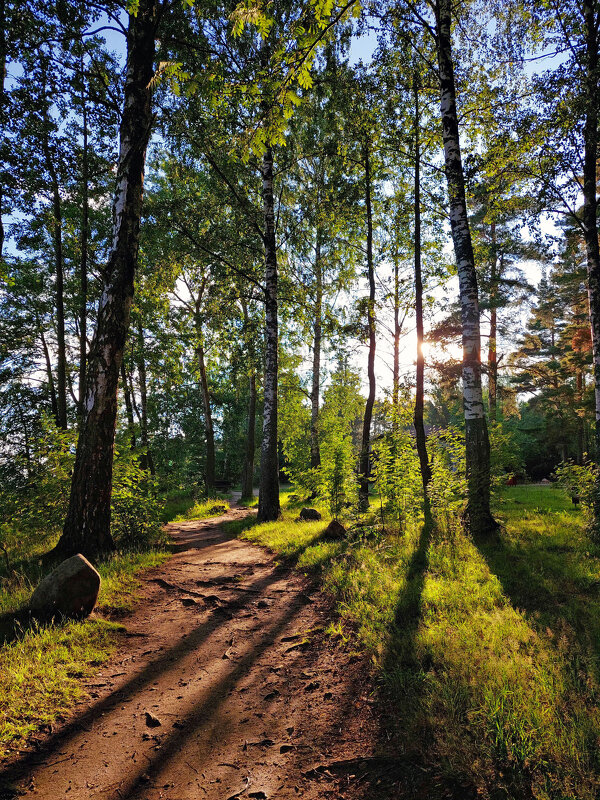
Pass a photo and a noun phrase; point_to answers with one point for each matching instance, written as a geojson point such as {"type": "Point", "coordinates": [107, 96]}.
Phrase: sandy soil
{"type": "Point", "coordinates": [225, 686]}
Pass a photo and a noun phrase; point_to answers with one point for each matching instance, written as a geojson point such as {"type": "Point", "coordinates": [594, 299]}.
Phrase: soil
{"type": "Point", "coordinates": [225, 686]}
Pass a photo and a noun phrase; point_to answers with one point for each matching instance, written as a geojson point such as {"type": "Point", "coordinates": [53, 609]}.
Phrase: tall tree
{"type": "Point", "coordinates": [87, 525]}
{"type": "Point", "coordinates": [478, 517]}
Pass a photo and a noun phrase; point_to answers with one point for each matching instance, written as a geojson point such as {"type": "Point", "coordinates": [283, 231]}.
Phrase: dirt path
{"type": "Point", "coordinates": [225, 687]}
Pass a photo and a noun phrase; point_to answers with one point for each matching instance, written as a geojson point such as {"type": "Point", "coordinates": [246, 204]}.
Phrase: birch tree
{"type": "Point", "coordinates": [478, 517]}
{"type": "Point", "coordinates": [87, 525]}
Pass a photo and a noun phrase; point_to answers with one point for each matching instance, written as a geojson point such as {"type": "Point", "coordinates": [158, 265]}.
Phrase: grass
{"type": "Point", "coordinates": [41, 670]}
{"type": "Point", "coordinates": [203, 509]}
{"type": "Point", "coordinates": [181, 505]}
{"type": "Point", "coordinates": [490, 657]}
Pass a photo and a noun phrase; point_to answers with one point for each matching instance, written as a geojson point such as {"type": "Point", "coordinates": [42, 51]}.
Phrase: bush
{"type": "Point", "coordinates": [135, 507]}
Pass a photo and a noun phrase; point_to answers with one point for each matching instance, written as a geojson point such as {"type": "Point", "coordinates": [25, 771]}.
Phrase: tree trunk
{"type": "Point", "coordinates": [146, 460]}
{"type": "Point", "coordinates": [50, 376]}
{"type": "Point", "coordinates": [397, 331]}
{"type": "Point", "coordinates": [315, 453]}
{"type": "Point", "coordinates": [590, 218]}
{"type": "Point", "coordinates": [87, 525]}
{"type": "Point", "coordinates": [248, 473]}
{"type": "Point", "coordinates": [128, 405]}
{"type": "Point", "coordinates": [421, 439]}
{"type": "Point", "coordinates": [478, 518]}
{"type": "Point", "coordinates": [209, 433]}
{"type": "Point", "coordinates": [2, 117]}
{"type": "Point", "coordinates": [365, 450]}
{"type": "Point", "coordinates": [61, 364]}
{"type": "Point", "coordinates": [492, 345]}
{"type": "Point", "coordinates": [85, 223]}
{"type": "Point", "coordinates": [248, 477]}
{"type": "Point", "coordinates": [268, 498]}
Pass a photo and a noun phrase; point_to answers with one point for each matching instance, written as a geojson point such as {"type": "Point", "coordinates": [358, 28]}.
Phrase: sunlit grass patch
{"type": "Point", "coordinates": [203, 509]}
{"type": "Point", "coordinates": [118, 590]}
{"type": "Point", "coordinates": [41, 669]}
{"type": "Point", "coordinates": [489, 658]}
{"type": "Point", "coordinates": [294, 541]}
{"type": "Point", "coordinates": [41, 674]}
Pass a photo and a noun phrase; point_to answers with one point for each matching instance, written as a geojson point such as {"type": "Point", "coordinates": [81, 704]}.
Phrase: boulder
{"type": "Point", "coordinates": [70, 590]}
{"type": "Point", "coordinates": [545, 481]}
{"type": "Point", "coordinates": [334, 531]}
{"type": "Point", "coordinates": [309, 515]}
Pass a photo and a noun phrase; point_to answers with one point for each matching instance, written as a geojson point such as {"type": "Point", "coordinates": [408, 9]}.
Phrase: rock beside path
{"type": "Point", "coordinates": [70, 590]}
{"type": "Point", "coordinates": [309, 515]}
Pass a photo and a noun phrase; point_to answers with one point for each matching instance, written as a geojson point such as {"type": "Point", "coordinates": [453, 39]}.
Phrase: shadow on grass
{"type": "Point", "coordinates": [558, 587]}
{"type": "Point", "coordinates": [406, 727]}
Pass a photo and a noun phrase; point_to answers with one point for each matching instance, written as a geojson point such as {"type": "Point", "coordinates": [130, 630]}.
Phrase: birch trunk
{"type": "Point", "coordinates": [590, 217]}
{"type": "Point", "coordinates": [421, 439]}
{"type": "Point", "coordinates": [268, 498]}
{"type": "Point", "coordinates": [365, 450]}
{"type": "Point", "coordinates": [87, 525]}
{"type": "Point", "coordinates": [315, 453]}
{"type": "Point", "coordinates": [478, 518]}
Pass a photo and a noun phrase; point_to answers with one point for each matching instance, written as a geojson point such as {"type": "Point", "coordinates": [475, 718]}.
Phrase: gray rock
{"type": "Point", "coordinates": [70, 590]}
{"type": "Point", "coordinates": [309, 514]}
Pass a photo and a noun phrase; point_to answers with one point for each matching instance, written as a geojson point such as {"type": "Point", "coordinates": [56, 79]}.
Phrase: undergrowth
{"type": "Point", "coordinates": [489, 658]}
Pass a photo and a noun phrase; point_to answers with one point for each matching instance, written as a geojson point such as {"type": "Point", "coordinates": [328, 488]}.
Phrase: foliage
{"type": "Point", "coordinates": [136, 507]}
{"type": "Point", "coordinates": [579, 482]}
{"type": "Point", "coordinates": [33, 511]}
{"type": "Point", "coordinates": [396, 468]}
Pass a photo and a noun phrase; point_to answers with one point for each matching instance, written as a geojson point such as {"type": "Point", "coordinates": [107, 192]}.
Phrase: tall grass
{"type": "Point", "coordinates": [488, 658]}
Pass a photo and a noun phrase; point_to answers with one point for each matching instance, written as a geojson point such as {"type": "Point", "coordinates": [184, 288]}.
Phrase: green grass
{"type": "Point", "coordinates": [489, 658]}
{"type": "Point", "coordinates": [203, 509]}
{"type": "Point", "coordinates": [41, 669]}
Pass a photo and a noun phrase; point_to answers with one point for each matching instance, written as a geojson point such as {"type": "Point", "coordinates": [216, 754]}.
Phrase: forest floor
{"type": "Point", "coordinates": [225, 686]}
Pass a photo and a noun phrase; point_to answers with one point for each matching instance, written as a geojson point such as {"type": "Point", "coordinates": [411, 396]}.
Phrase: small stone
{"type": "Point", "coordinates": [152, 721]}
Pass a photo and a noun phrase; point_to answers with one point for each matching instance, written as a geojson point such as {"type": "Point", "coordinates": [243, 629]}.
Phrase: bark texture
{"type": "Point", "coordinates": [146, 459]}
{"type": "Point", "coordinates": [493, 340]}
{"type": "Point", "coordinates": [590, 215]}
{"type": "Point", "coordinates": [421, 439]}
{"type": "Point", "coordinates": [83, 266]}
{"type": "Point", "coordinates": [209, 432]}
{"type": "Point", "coordinates": [478, 517]}
{"type": "Point", "coordinates": [315, 453]}
{"type": "Point", "coordinates": [364, 466]}
{"type": "Point", "coordinates": [87, 525]}
{"type": "Point", "coordinates": [61, 364]}
{"type": "Point", "coordinates": [248, 476]}
{"type": "Point", "coordinates": [268, 497]}
{"type": "Point", "coordinates": [248, 473]}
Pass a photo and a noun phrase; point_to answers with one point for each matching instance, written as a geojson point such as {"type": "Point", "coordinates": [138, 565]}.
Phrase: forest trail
{"type": "Point", "coordinates": [225, 686]}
